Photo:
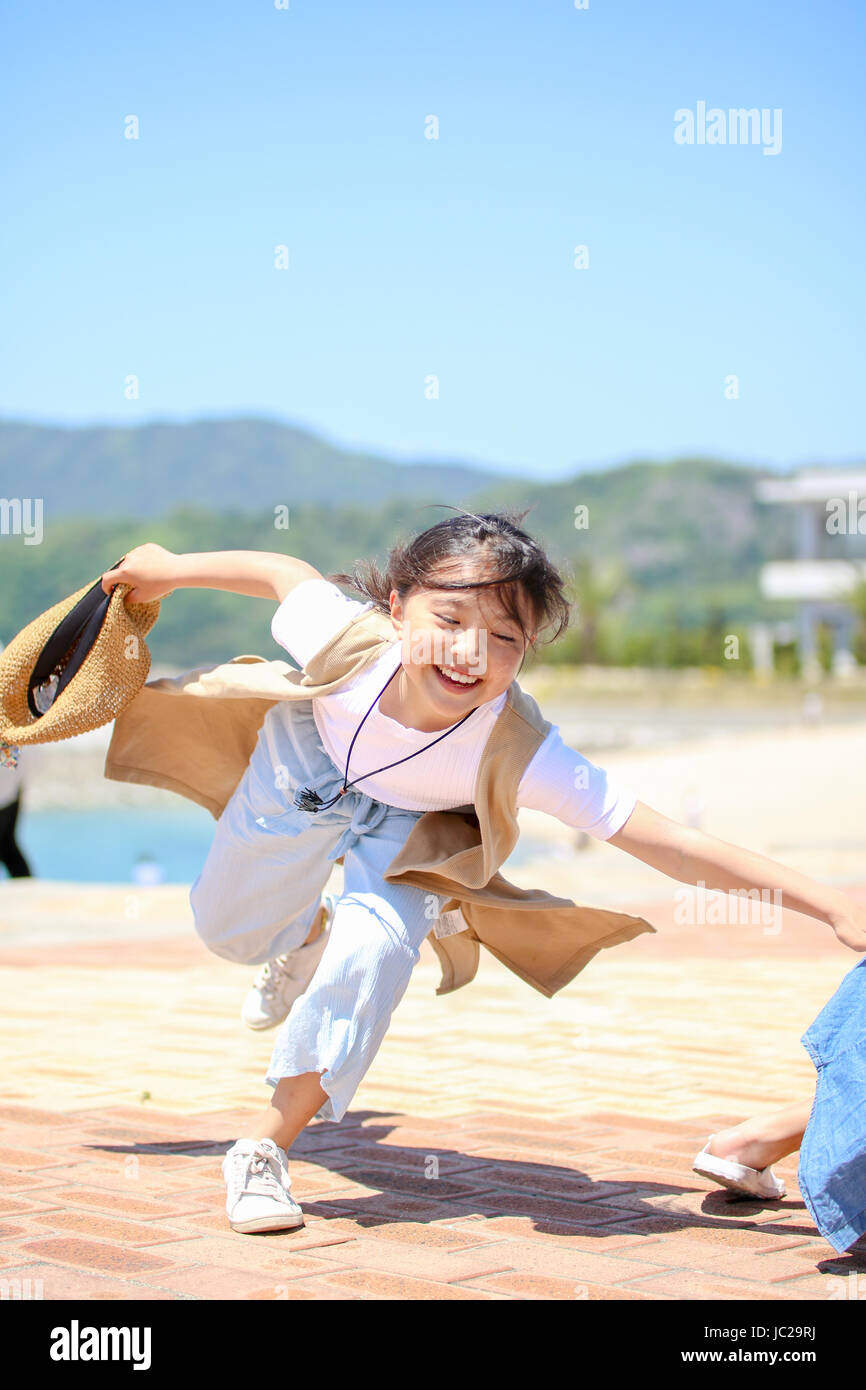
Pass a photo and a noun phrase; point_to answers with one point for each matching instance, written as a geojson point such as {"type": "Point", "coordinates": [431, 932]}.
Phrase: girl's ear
{"type": "Point", "coordinates": [396, 606]}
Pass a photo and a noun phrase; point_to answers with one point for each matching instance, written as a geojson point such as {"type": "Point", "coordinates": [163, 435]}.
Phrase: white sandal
{"type": "Point", "coordinates": [755, 1182]}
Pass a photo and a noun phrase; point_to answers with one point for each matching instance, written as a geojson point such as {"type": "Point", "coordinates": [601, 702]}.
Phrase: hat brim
{"type": "Point", "coordinates": [115, 665]}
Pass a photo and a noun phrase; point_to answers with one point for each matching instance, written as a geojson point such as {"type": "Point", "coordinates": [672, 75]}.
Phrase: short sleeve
{"type": "Point", "coordinates": [310, 614]}
{"type": "Point", "coordinates": [565, 784]}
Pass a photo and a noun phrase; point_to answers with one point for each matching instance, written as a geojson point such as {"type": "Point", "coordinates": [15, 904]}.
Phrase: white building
{"type": "Point", "coordinates": [828, 513]}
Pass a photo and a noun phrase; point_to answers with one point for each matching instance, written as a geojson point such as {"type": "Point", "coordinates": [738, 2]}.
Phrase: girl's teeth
{"type": "Point", "coordinates": [458, 680]}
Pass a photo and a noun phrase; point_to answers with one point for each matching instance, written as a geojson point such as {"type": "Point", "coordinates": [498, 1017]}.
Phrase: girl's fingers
{"type": "Point", "coordinates": [111, 578]}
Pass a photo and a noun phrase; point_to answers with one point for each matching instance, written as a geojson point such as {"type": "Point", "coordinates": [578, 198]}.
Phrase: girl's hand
{"type": "Point", "coordinates": [849, 924]}
{"type": "Point", "coordinates": [150, 569]}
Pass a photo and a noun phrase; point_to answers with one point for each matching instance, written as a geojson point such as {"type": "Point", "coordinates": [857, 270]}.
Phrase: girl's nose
{"type": "Point", "coordinates": [469, 646]}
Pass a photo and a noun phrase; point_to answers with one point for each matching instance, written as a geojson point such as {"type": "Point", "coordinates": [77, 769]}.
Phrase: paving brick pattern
{"type": "Point", "coordinates": [480, 1205]}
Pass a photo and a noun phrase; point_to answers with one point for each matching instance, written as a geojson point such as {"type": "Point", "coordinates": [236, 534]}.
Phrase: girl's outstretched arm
{"type": "Point", "coordinates": [155, 572]}
{"type": "Point", "coordinates": [685, 853]}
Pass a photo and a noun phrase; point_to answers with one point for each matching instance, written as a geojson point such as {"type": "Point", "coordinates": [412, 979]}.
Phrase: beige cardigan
{"type": "Point", "coordinates": [195, 733]}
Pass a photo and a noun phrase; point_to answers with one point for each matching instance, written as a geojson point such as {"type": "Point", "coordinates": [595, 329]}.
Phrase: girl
{"type": "Point", "coordinates": [405, 736]}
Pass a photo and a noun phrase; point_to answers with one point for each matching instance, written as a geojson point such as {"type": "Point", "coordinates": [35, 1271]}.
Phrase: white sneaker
{"type": "Point", "coordinates": [258, 1188]}
{"type": "Point", "coordinates": [280, 982]}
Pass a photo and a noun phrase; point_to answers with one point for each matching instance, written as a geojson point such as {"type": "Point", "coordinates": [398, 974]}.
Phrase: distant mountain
{"type": "Point", "coordinates": [239, 465]}
{"type": "Point", "coordinates": [687, 523]}
{"type": "Point", "coordinates": [658, 546]}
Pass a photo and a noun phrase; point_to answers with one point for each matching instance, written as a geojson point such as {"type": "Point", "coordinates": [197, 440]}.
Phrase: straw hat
{"type": "Point", "coordinates": [74, 668]}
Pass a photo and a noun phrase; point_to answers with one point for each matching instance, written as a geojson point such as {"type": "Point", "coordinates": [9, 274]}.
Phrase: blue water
{"type": "Point", "coordinates": [99, 846]}
{"type": "Point", "coordinates": [102, 846]}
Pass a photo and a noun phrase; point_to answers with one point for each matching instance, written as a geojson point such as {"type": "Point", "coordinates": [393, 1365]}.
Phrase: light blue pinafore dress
{"type": "Point", "coordinates": [832, 1166]}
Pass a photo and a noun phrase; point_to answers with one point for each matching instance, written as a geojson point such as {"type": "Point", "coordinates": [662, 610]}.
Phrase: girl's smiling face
{"type": "Point", "coordinates": [466, 631]}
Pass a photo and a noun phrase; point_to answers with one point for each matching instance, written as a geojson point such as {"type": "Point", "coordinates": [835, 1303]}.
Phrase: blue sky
{"type": "Point", "coordinates": [411, 258]}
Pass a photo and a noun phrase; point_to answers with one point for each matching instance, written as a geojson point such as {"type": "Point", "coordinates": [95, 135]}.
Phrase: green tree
{"type": "Point", "coordinates": [596, 587]}
{"type": "Point", "coordinates": [857, 604]}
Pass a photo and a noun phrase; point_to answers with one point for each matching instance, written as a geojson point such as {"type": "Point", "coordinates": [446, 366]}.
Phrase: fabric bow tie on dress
{"type": "Point", "coordinates": [367, 814]}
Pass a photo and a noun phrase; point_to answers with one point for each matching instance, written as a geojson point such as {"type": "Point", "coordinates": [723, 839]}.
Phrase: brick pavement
{"type": "Point", "coordinates": [502, 1146]}
{"type": "Point", "coordinates": [112, 1203]}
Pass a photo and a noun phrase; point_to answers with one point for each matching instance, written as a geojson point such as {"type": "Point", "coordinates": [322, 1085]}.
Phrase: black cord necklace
{"type": "Point", "coordinates": [306, 799]}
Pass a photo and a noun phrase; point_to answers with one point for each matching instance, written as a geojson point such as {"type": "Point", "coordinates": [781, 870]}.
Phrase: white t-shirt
{"type": "Point", "coordinates": [557, 780]}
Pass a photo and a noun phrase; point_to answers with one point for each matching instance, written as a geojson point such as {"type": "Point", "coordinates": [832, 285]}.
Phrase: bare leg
{"type": "Point", "coordinates": [764, 1140]}
{"type": "Point", "coordinates": [295, 1101]}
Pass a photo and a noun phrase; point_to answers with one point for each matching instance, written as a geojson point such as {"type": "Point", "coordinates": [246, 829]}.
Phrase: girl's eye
{"type": "Point", "coordinates": [501, 635]}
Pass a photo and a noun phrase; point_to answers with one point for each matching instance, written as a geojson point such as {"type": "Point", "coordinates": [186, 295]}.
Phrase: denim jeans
{"type": "Point", "coordinates": [260, 890]}
{"type": "Point", "coordinates": [832, 1166]}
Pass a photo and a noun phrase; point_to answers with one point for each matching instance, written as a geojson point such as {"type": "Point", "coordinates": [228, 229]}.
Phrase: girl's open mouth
{"type": "Point", "coordinates": [455, 681]}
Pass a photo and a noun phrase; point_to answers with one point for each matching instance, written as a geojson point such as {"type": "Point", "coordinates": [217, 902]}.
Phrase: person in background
{"type": "Point", "coordinates": [11, 782]}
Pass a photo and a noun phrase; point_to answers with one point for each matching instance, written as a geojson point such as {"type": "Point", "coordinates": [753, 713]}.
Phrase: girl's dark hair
{"type": "Point", "coordinates": [518, 561]}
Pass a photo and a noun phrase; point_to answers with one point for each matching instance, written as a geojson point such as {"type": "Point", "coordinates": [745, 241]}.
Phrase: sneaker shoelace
{"type": "Point", "coordinates": [274, 973]}
{"type": "Point", "coordinates": [258, 1166]}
